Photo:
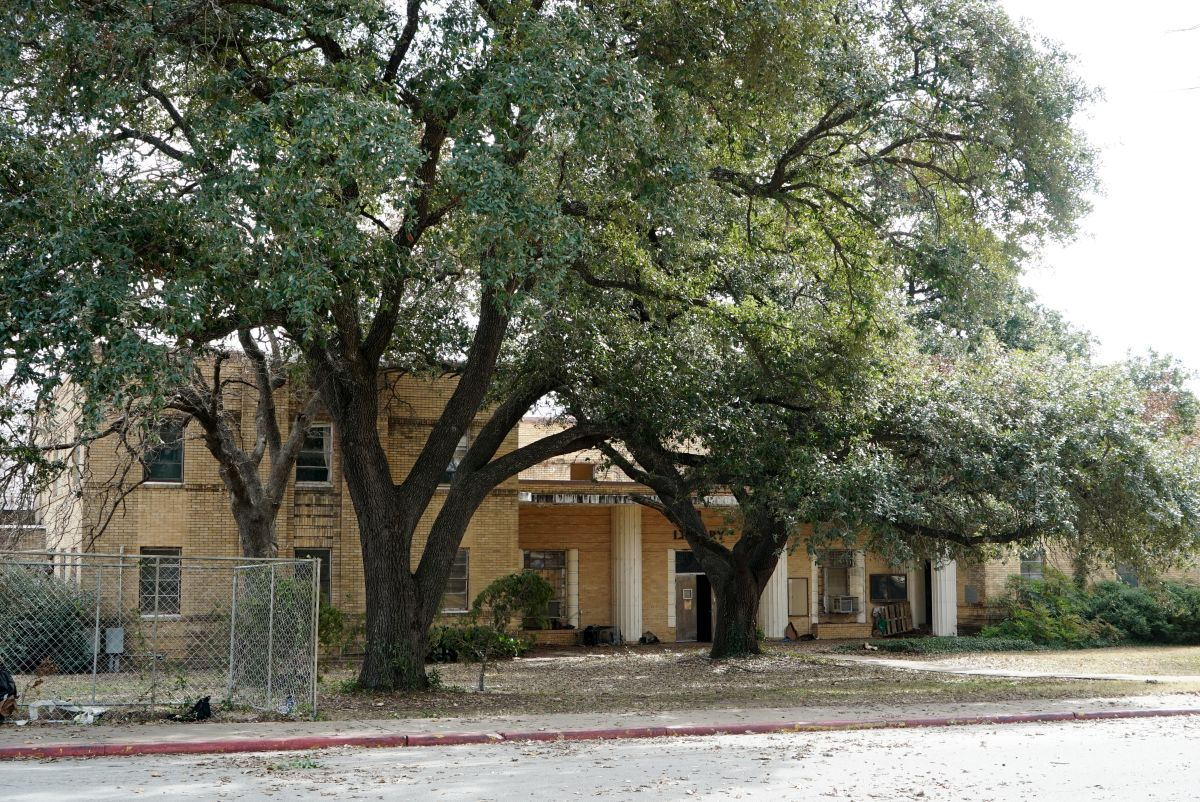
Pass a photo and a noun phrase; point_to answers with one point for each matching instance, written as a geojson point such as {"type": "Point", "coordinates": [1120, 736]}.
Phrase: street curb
{"type": "Point", "coordinates": [304, 742]}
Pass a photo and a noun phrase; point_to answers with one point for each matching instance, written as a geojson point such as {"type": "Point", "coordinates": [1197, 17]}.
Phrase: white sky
{"type": "Point", "coordinates": [1131, 278]}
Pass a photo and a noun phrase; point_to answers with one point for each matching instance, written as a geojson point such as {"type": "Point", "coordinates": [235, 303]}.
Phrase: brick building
{"type": "Point", "coordinates": [612, 562]}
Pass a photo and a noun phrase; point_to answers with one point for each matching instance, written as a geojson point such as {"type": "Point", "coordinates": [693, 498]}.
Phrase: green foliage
{"type": "Point", "coordinates": [45, 621]}
{"type": "Point", "coordinates": [524, 594]}
{"type": "Point", "coordinates": [469, 642]}
{"type": "Point", "coordinates": [947, 645]}
{"type": "Point", "coordinates": [1166, 613]}
{"type": "Point", "coordinates": [1051, 611]}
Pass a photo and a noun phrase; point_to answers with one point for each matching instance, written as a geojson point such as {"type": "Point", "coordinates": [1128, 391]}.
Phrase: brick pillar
{"type": "Point", "coordinates": [626, 531]}
{"type": "Point", "coordinates": [773, 604]}
{"type": "Point", "coordinates": [945, 598]}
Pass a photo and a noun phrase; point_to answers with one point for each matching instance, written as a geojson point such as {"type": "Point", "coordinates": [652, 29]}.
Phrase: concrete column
{"type": "Point", "coordinates": [626, 527]}
{"type": "Point", "coordinates": [671, 588]}
{"type": "Point", "coordinates": [814, 599]}
{"type": "Point", "coordinates": [858, 584]}
{"type": "Point", "coordinates": [945, 598]}
{"type": "Point", "coordinates": [773, 604]}
{"type": "Point", "coordinates": [572, 610]}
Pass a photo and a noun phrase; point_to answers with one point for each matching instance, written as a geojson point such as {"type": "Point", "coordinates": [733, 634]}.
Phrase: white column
{"type": "Point", "coordinates": [671, 588]}
{"type": "Point", "coordinates": [814, 598]}
{"type": "Point", "coordinates": [773, 603]}
{"type": "Point", "coordinates": [945, 598]}
{"type": "Point", "coordinates": [626, 527]}
{"type": "Point", "coordinates": [858, 584]}
{"type": "Point", "coordinates": [573, 587]}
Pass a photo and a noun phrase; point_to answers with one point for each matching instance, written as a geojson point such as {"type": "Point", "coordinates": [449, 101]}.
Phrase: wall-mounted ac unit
{"type": "Point", "coordinates": [845, 604]}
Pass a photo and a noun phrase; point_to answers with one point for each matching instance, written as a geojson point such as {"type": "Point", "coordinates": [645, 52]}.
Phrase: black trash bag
{"type": "Point", "coordinates": [8, 694]}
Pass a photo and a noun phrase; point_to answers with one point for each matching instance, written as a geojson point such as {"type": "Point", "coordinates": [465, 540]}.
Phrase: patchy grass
{"type": "Point", "coordinates": [944, 645]}
{"type": "Point", "coordinates": [682, 677]}
{"type": "Point", "coordinates": [1148, 660]}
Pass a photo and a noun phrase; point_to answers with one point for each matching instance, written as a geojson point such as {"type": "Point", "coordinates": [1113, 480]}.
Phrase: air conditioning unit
{"type": "Point", "coordinates": [845, 604]}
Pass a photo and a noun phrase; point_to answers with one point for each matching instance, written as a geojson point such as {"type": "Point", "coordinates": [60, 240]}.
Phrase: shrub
{"type": "Point", "coordinates": [464, 644]}
{"type": "Point", "coordinates": [1168, 613]}
{"type": "Point", "coordinates": [1050, 611]}
{"type": "Point", "coordinates": [45, 622]}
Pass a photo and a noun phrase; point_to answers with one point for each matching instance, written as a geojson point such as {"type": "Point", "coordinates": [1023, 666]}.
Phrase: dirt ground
{"type": "Point", "coordinates": [1150, 660]}
{"type": "Point", "coordinates": [677, 677]}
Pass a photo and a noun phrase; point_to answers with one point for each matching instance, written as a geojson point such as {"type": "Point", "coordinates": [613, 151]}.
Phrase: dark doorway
{"type": "Point", "coordinates": [703, 609]}
{"type": "Point", "coordinates": [928, 594]}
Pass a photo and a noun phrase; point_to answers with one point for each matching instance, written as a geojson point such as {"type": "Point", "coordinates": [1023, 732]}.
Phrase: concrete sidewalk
{"type": "Point", "coordinates": [43, 741]}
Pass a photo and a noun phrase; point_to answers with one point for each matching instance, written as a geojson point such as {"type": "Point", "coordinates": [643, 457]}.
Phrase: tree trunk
{"type": "Point", "coordinates": [397, 631]}
{"type": "Point", "coordinates": [256, 531]}
{"type": "Point", "coordinates": [735, 625]}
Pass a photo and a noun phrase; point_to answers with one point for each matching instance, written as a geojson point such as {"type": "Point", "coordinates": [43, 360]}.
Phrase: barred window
{"type": "Point", "coordinates": [312, 463]}
{"type": "Point", "coordinates": [164, 459]}
{"type": "Point", "coordinates": [160, 581]}
{"type": "Point", "coordinates": [552, 567]}
{"type": "Point", "coordinates": [455, 598]}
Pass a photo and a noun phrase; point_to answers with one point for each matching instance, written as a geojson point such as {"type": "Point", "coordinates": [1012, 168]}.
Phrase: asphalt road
{"type": "Point", "coordinates": [1142, 759]}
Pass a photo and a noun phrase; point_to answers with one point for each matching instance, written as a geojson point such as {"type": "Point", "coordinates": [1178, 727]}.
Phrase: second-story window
{"type": "Point", "coordinates": [164, 458]}
{"type": "Point", "coordinates": [460, 453]}
{"type": "Point", "coordinates": [312, 463]}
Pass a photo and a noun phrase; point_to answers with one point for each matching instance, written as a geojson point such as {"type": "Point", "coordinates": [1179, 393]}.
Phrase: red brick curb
{"type": "Point", "coordinates": [294, 743]}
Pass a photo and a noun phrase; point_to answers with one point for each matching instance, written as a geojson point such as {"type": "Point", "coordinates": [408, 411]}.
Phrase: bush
{"type": "Point", "coordinates": [1169, 613]}
{"type": "Point", "coordinates": [45, 622]}
{"type": "Point", "coordinates": [464, 644]}
{"type": "Point", "coordinates": [1051, 612]}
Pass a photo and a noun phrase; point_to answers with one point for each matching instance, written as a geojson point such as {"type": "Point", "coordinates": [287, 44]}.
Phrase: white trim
{"type": "Point", "coordinates": [670, 588]}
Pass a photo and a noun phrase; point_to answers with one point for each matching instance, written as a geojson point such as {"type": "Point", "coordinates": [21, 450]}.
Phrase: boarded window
{"type": "Point", "coordinates": [583, 472]}
{"type": "Point", "coordinates": [798, 595]}
{"type": "Point", "coordinates": [160, 581]}
{"type": "Point", "coordinates": [889, 587]}
{"type": "Point", "coordinates": [312, 463]}
{"type": "Point", "coordinates": [164, 458]}
{"type": "Point", "coordinates": [455, 598]}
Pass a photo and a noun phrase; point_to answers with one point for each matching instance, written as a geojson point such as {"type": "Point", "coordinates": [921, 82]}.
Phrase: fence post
{"type": "Point", "coordinates": [271, 638]}
{"type": "Point", "coordinates": [232, 633]}
{"type": "Point", "coordinates": [314, 633]}
{"type": "Point", "coordinates": [154, 633]}
{"type": "Point", "coordinates": [96, 633]}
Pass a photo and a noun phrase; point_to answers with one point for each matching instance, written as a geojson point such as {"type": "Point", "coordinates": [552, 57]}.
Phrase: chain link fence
{"type": "Point", "coordinates": [158, 629]}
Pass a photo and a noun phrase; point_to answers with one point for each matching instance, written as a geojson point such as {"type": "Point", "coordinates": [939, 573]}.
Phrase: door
{"type": "Point", "coordinates": [686, 607]}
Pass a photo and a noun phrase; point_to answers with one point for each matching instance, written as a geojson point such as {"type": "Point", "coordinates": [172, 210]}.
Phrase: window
{"type": "Point", "coordinates": [460, 452]}
{"type": "Point", "coordinates": [312, 463]}
{"type": "Point", "coordinates": [1127, 575]}
{"type": "Point", "coordinates": [159, 581]}
{"type": "Point", "coordinates": [889, 587]}
{"type": "Point", "coordinates": [552, 567]}
{"type": "Point", "coordinates": [323, 556]}
{"type": "Point", "coordinates": [798, 595]}
{"type": "Point", "coordinates": [455, 598]}
{"type": "Point", "coordinates": [164, 460]}
{"type": "Point", "coordinates": [1033, 563]}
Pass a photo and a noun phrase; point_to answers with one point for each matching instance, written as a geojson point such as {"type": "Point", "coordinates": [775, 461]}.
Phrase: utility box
{"type": "Point", "coordinates": [114, 647]}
